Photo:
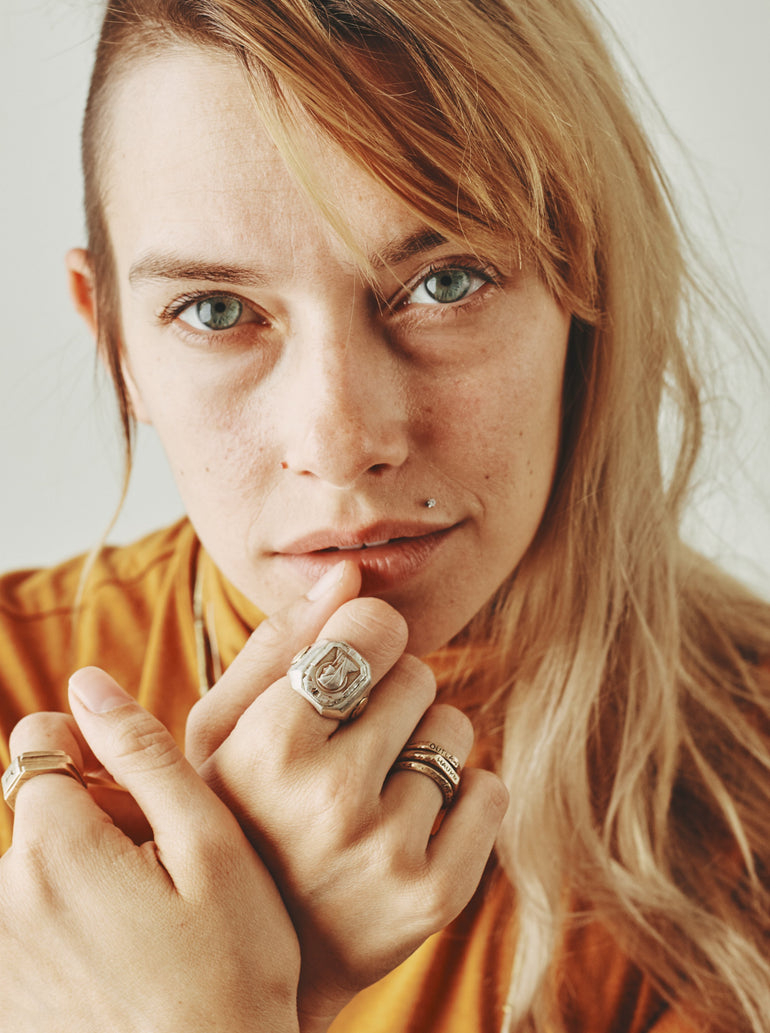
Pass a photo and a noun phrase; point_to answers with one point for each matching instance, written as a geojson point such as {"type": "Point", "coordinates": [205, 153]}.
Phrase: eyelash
{"type": "Point", "coordinates": [487, 274]}
{"type": "Point", "coordinates": [172, 312]}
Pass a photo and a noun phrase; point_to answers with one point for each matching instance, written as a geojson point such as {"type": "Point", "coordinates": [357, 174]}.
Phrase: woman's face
{"type": "Point", "coordinates": [305, 410]}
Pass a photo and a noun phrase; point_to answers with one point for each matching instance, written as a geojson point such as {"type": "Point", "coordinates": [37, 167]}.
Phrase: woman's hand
{"type": "Point", "coordinates": [185, 932]}
{"type": "Point", "coordinates": [348, 842]}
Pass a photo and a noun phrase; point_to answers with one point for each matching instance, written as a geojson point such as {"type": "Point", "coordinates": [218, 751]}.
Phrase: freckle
{"type": "Point", "coordinates": [284, 466]}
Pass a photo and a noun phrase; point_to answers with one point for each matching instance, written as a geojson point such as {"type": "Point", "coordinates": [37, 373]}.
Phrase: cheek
{"type": "Point", "coordinates": [501, 415]}
{"type": "Point", "coordinates": [214, 433]}
{"type": "Point", "coordinates": [501, 431]}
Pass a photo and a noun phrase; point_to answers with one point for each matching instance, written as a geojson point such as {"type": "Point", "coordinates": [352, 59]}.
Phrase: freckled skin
{"type": "Point", "coordinates": [318, 410]}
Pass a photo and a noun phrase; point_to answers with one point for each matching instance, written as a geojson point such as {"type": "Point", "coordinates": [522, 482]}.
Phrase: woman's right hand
{"type": "Point", "coordinates": [185, 933]}
{"type": "Point", "coordinates": [347, 840]}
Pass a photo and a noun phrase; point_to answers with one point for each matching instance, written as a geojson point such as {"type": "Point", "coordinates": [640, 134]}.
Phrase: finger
{"type": "Point", "coordinates": [265, 658]}
{"type": "Point", "coordinates": [48, 807]}
{"type": "Point", "coordinates": [462, 847]}
{"type": "Point", "coordinates": [396, 705]}
{"type": "Point", "coordinates": [138, 751]}
{"type": "Point", "coordinates": [283, 719]}
{"type": "Point", "coordinates": [42, 731]}
{"type": "Point", "coordinates": [53, 731]}
{"type": "Point", "coordinates": [280, 739]}
{"type": "Point", "coordinates": [414, 797]}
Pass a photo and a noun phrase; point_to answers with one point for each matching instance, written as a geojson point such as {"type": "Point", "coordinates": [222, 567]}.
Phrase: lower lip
{"type": "Point", "coordinates": [382, 567]}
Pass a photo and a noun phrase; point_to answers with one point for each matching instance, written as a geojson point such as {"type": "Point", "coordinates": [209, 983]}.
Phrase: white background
{"type": "Point", "coordinates": [705, 63]}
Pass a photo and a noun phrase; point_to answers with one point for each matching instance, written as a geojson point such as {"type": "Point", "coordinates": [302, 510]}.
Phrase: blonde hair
{"type": "Point", "coordinates": [625, 668]}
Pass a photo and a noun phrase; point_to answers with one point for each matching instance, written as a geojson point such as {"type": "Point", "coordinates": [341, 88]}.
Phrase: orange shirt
{"type": "Point", "coordinates": [136, 621]}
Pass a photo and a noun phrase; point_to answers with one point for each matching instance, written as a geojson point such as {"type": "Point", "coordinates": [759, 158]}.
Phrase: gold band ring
{"type": "Point", "coordinates": [36, 762]}
{"type": "Point", "coordinates": [436, 763]}
{"type": "Point", "coordinates": [433, 759]}
{"type": "Point", "coordinates": [435, 748]}
{"type": "Point", "coordinates": [447, 789]}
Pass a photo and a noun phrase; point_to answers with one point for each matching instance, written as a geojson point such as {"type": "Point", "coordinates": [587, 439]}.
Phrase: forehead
{"type": "Point", "coordinates": [189, 159]}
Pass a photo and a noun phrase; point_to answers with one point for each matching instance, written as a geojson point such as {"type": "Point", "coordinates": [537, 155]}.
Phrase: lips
{"type": "Point", "coordinates": [387, 553]}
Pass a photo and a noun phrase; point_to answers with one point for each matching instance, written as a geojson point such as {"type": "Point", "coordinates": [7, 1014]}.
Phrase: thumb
{"type": "Point", "coordinates": [265, 658]}
{"type": "Point", "coordinates": [141, 755]}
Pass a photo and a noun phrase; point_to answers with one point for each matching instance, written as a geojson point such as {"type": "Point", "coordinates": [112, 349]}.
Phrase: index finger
{"type": "Point", "coordinates": [281, 734]}
{"type": "Point", "coordinates": [265, 658]}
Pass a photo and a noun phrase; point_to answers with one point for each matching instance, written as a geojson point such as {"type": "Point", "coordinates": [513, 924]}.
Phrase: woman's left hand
{"type": "Point", "coordinates": [185, 931]}
{"type": "Point", "coordinates": [348, 841]}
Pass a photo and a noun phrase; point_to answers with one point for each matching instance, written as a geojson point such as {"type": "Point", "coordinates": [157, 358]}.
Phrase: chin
{"type": "Point", "coordinates": [428, 631]}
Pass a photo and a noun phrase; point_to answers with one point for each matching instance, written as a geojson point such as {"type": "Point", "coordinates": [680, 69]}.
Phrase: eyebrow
{"type": "Point", "coordinates": [160, 266]}
{"type": "Point", "coordinates": [416, 243]}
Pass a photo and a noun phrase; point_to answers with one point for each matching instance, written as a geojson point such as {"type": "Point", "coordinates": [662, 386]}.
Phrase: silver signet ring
{"type": "Point", "coordinates": [332, 676]}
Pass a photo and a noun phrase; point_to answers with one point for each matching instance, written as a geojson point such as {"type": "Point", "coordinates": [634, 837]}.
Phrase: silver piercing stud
{"type": "Point", "coordinates": [430, 503]}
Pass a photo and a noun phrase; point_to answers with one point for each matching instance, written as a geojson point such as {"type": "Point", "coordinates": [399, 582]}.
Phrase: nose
{"type": "Point", "coordinates": [346, 410]}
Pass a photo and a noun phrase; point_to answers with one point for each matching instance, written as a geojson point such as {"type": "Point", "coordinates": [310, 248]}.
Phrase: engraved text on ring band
{"type": "Point", "coordinates": [436, 763]}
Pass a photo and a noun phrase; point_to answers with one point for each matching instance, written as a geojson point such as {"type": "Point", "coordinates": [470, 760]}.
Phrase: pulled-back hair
{"type": "Point", "coordinates": [622, 671]}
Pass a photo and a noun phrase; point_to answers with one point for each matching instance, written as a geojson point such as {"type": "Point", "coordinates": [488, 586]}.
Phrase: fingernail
{"type": "Point", "coordinates": [330, 580]}
{"type": "Point", "coordinates": [96, 691]}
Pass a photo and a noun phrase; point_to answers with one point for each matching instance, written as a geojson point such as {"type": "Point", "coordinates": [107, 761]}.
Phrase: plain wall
{"type": "Point", "coordinates": [704, 62]}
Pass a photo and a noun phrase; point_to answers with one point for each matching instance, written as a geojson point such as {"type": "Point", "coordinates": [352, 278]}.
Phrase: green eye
{"type": "Point", "coordinates": [218, 312]}
{"type": "Point", "coordinates": [449, 285]}
{"type": "Point", "coordinates": [215, 312]}
{"type": "Point", "coordinates": [212, 315]}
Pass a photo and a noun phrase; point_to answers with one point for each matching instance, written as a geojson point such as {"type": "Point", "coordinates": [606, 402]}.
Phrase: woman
{"type": "Point", "coordinates": [404, 313]}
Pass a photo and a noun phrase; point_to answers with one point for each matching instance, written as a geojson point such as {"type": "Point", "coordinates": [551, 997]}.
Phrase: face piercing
{"type": "Point", "coordinates": [430, 503]}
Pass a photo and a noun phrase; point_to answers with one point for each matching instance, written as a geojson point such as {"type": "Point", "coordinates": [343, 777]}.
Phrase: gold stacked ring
{"type": "Point", "coordinates": [435, 748]}
{"type": "Point", "coordinates": [433, 761]}
{"type": "Point", "coordinates": [36, 762]}
{"type": "Point", "coordinates": [429, 753]}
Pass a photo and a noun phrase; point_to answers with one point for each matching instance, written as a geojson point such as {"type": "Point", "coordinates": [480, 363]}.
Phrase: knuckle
{"type": "Point", "coordinates": [418, 675]}
{"type": "Point", "coordinates": [450, 724]}
{"type": "Point", "coordinates": [264, 658]}
{"type": "Point", "coordinates": [489, 793]}
{"type": "Point", "coordinates": [376, 617]}
{"type": "Point", "coordinates": [212, 852]}
{"type": "Point", "coordinates": [195, 724]}
{"type": "Point", "coordinates": [439, 901]}
{"type": "Point", "coordinates": [339, 791]}
{"type": "Point", "coordinates": [270, 633]}
{"type": "Point", "coordinates": [276, 639]}
{"type": "Point", "coordinates": [339, 802]}
{"type": "Point", "coordinates": [37, 731]}
{"type": "Point", "coordinates": [496, 790]}
{"type": "Point", "coordinates": [198, 733]}
{"type": "Point", "coordinates": [140, 741]}
{"type": "Point", "coordinates": [31, 854]}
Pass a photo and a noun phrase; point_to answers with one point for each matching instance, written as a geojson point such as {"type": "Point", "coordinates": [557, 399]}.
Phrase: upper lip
{"type": "Point", "coordinates": [382, 531]}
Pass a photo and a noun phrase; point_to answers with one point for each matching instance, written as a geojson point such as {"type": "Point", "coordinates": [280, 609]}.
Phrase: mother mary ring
{"type": "Point", "coordinates": [332, 676]}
